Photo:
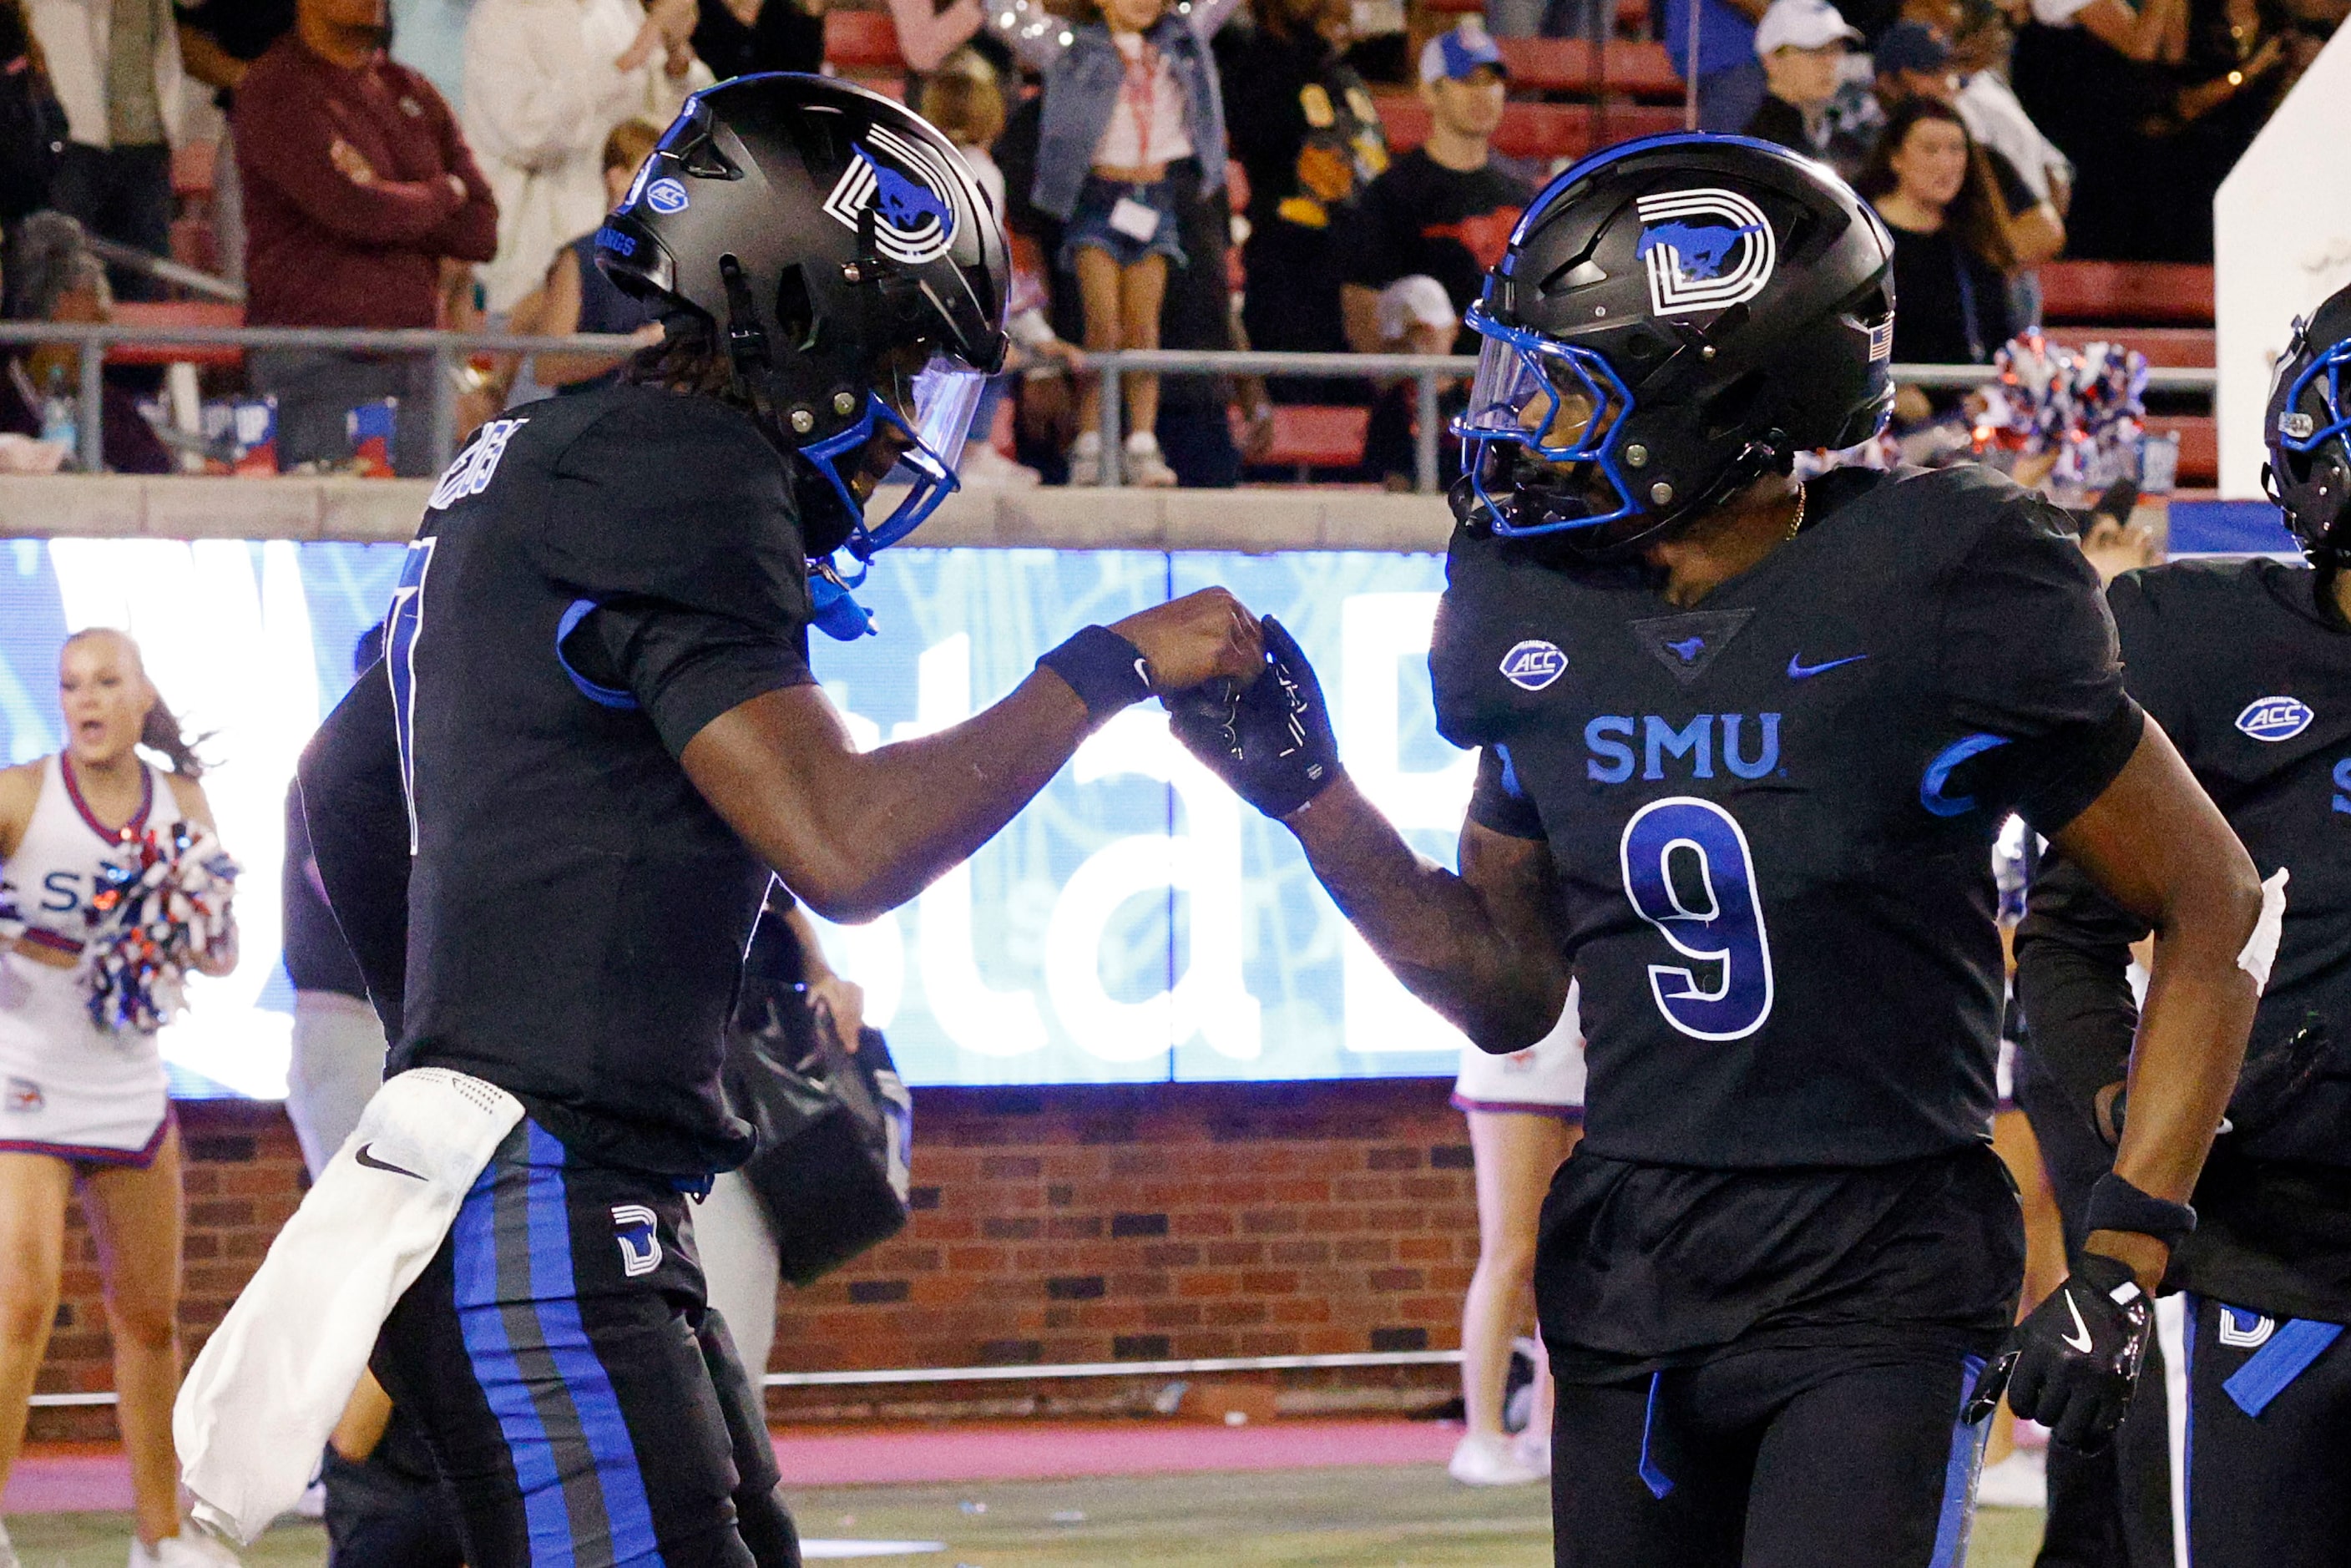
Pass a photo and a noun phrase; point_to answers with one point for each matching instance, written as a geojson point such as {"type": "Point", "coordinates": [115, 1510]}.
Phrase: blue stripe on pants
{"type": "Point", "coordinates": [1957, 1521]}
{"type": "Point", "coordinates": [556, 1295]}
{"type": "Point", "coordinates": [476, 1259]}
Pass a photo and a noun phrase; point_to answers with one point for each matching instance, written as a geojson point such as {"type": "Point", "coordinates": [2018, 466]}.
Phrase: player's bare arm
{"type": "Point", "coordinates": [1479, 947]}
{"type": "Point", "coordinates": [857, 833]}
{"type": "Point", "coordinates": [2155, 843]}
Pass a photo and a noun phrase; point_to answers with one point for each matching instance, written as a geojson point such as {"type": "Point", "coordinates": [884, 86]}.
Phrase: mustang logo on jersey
{"type": "Point", "coordinates": [1533, 664]}
{"type": "Point", "coordinates": [1609, 737]}
{"type": "Point", "coordinates": [637, 1231]}
{"type": "Point", "coordinates": [2273, 719]}
{"type": "Point", "coordinates": [913, 219]}
{"type": "Point", "coordinates": [1706, 250]}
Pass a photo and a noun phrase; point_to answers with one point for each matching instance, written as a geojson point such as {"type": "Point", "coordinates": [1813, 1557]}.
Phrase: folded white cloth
{"type": "Point", "coordinates": [273, 1380]}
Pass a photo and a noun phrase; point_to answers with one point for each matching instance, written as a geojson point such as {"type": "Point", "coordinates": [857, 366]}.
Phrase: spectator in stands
{"type": "Point", "coordinates": [2092, 74]}
{"type": "Point", "coordinates": [1980, 52]}
{"type": "Point", "coordinates": [2238, 59]}
{"type": "Point", "coordinates": [1914, 64]}
{"type": "Point", "coordinates": [927, 35]}
{"type": "Point", "coordinates": [1443, 209]}
{"type": "Point", "coordinates": [745, 37]}
{"type": "Point", "coordinates": [32, 123]}
{"type": "Point", "coordinates": [1305, 130]}
{"type": "Point", "coordinates": [963, 99]}
{"type": "Point", "coordinates": [576, 296]}
{"type": "Point", "coordinates": [219, 39]}
{"type": "Point", "coordinates": [567, 71]}
{"type": "Point", "coordinates": [357, 187]}
{"type": "Point", "coordinates": [1952, 253]}
{"type": "Point", "coordinates": [115, 65]}
{"type": "Point", "coordinates": [1416, 317]}
{"type": "Point", "coordinates": [1802, 45]}
{"type": "Point", "coordinates": [1129, 94]}
{"type": "Point", "coordinates": [1728, 76]}
{"type": "Point", "coordinates": [53, 276]}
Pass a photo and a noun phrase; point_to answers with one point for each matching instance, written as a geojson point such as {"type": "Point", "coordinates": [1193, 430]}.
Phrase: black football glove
{"type": "Point", "coordinates": [2073, 1364]}
{"type": "Point", "coordinates": [1271, 739]}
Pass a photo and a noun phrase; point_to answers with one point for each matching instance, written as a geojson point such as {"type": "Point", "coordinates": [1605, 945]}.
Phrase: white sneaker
{"type": "Point", "coordinates": [192, 1548]}
{"type": "Point", "coordinates": [1085, 458]}
{"type": "Point", "coordinates": [1146, 465]}
{"type": "Point", "coordinates": [984, 465]}
{"type": "Point", "coordinates": [1533, 1449]}
{"type": "Point", "coordinates": [312, 1503]}
{"type": "Point", "coordinates": [2019, 1480]}
{"type": "Point", "coordinates": [7, 1553]}
{"type": "Point", "coordinates": [1482, 1461]}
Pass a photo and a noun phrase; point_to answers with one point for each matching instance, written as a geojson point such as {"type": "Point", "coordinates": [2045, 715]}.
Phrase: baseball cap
{"type": "Point", "coordinates": [1911, 47]}
{"type": "Point", "coordinates": [1802, 24]}
{"type": "Point", "coordinates": [1455, 54]}
{"type": "Point", "coordinates": [1415, 301]}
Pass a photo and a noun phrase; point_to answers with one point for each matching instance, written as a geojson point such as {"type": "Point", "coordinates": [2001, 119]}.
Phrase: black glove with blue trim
{"type": "Point", "coordinates": [1271, 739]}
{"type": "Point", "coordinates": [2073, 1365]}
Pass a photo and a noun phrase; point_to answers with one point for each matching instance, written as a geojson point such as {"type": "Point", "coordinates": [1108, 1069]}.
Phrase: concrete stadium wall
{"type": "Point", "coordinates": [1138, 1222]}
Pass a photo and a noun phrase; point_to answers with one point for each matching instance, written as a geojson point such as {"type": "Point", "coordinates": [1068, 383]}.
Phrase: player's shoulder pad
{"type": "Point", "coordinates": [1499, 643]}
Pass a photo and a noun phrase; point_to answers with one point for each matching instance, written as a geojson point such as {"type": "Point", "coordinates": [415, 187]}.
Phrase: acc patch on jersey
{"type": "Point", "coordinates": [913, 215]}
{"type": "Point", "coordinates": [1533, 664]}
{"type": "Point", "coordinates": [2274, 718]}
{"type": "Point", "coordinates": [1704, 250]}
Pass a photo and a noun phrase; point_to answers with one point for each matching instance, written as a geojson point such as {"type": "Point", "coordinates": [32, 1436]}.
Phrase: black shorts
{"type": "Point", "coordinates": [2267, 1450]}
{"type": "Point", "coordinates": [582, 1401]}
{"type": "Point", "coordinates": [1772, 1458]}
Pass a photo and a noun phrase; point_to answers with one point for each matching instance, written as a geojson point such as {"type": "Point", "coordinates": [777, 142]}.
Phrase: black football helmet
{"type": "Point", "coordinates": [2308, 431]}
{"type": "Point", "coordinates": [843, 250]}
{"type": "Point", "coordinates": [1673, 318]}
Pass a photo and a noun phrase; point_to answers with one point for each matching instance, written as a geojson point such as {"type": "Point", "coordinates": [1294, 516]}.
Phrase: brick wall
{"type": "Point", "coordinates": [1058, 1224]}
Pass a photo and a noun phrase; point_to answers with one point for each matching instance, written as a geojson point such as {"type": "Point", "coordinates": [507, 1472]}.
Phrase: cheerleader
{"type": "Point", "coordinates": [85, 1105]}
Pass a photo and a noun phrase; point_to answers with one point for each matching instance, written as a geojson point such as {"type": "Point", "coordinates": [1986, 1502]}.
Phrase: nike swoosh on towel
{"type": "Point", "coordinates": [1798, 670]}
{"type": "Point", "coordinates": [368, 1160]}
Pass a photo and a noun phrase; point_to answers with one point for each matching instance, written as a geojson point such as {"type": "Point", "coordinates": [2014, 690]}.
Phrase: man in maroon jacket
{"type": "Point", "coordinates": [358, 190]}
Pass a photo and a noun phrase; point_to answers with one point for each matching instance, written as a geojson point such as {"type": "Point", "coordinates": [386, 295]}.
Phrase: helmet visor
{"type": "Point", "coordinates": [916, 432]}
{"type": "Point", "coordinates": [1562, 408]}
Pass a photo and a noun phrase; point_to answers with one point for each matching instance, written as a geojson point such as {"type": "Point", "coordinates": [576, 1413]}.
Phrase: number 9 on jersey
{"type": "Point", "coordinates": [1688, 874]}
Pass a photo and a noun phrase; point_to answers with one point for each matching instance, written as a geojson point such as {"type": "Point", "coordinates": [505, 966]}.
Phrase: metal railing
{"type": "Point", "coordinates": [448, 350]}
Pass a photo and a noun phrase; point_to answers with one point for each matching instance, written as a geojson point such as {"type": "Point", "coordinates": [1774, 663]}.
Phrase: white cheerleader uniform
{"type": "Point", "coordinates": [67, 1087]}
{"type": "Point", "coordinates": [1544, 1080]}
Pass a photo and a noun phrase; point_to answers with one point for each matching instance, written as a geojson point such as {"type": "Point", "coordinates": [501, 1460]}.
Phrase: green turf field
{"type": "Point", "coordinates": [1386, 1517]}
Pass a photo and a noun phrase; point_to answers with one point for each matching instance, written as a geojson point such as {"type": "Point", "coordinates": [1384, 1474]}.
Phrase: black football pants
{"type": "Point", "coordinates": [2268, 1440]}
{"type": "Point", "coordinates": [585, 1405]}
{"type": "Point", "coordinates": [1781, 1459]}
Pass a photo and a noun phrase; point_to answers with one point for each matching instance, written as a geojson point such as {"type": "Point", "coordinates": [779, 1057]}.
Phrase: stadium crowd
{"type": "Point", "coordinates": [1327, 175]}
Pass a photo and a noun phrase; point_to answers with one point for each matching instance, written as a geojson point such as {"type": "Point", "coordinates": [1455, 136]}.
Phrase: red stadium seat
{"type": "Point", "coordinates": [2127, 293]}
{"type": "Point", "coordinates": [2199, 446]}
{"type": "Point", "coordinates": [2165, 348]}
{"type": "Point", "coordinates": [1308, 436]}
{"type": "Point", "coordinates": [863, 42]}
{"type": "Point", "coordinates": [177, 313]}
{"type": "Point", "coordinates": [1538, 133]}
{"type": "Point", "coordinates": [1572, 65]}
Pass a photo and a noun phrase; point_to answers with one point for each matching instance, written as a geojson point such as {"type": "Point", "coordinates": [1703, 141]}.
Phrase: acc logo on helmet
{"type": "Point", "coordinates": [1704, 250]}
{"type": "Point", "coordinates": [914, 216]}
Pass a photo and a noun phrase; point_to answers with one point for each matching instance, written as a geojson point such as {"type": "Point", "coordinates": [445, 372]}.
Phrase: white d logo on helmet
{"type": "Point", "coordinates": [1706, 250]}
{"type": "Point", "coordinates": [914, 216]}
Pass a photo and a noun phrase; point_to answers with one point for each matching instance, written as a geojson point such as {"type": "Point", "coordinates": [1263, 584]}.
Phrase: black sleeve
{"type": "Point", "coordinates": [2072, 964]}
{"type": "Point", "coordinates": [1366, 247]}
{"type": "Point", "coordinates": [2029, 658]}
{"type": "Point", "coordinates": [683, 667]}
{"type": "Point", "coordinates": [358, 816]}
{"type": "Point", "coordinates": [2015, 195]}
{"type": "Point", "coordinates": [1497, 802]}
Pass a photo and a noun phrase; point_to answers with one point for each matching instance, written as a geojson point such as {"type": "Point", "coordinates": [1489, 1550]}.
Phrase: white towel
{"type": "Point", "coordinates": [255, 1412]}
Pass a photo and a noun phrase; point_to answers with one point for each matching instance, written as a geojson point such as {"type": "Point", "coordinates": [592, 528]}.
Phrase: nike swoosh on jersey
{"type": "Point", "coordinates": [1800, 671]}
{"type": "Point", "coordinates": [368, 1160]}
{"type": "Point", "coordinates": [2083, 1344]}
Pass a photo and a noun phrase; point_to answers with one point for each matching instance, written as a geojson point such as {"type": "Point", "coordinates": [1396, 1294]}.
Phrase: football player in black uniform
{"type": "Point", "coordinates": [546, 820]}
{"type": "Point", "coordinates": [1744, 748]}
{"type": "Point", "coordinates": [2248, 666]}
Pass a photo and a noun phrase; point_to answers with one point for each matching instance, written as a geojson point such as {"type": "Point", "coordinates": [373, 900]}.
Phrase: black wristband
{"type": "Point", "coordinates": [1106, 671]}
{"type": "Point", "coordinates": [2116, 1204]}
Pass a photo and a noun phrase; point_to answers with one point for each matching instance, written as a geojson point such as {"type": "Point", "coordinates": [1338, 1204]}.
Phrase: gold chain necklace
{"type": "Point", "coordinates": [1797, 527]}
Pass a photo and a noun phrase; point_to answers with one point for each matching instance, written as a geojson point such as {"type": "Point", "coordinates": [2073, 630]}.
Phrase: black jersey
{"type": "Point", "coordinates": [1772, 815]}
{"type": "Point", "coordinates": [2251, 676]}
{"type": "Point", "coordinates": [598, 577]}
{"type": "Point", "coordinates": [317, 957]}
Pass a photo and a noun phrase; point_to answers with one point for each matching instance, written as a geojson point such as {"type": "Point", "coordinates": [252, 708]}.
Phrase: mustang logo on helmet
{"type": "Point", "coordinates": [1706, 250]}
{"type": "Point", "coordinates": [914, 221]}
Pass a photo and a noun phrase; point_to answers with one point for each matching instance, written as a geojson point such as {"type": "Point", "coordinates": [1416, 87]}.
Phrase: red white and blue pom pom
{"type": "Point", "coordinates": [161, 903]}
{"type": "Point", "coordinates": [2088, 407]}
